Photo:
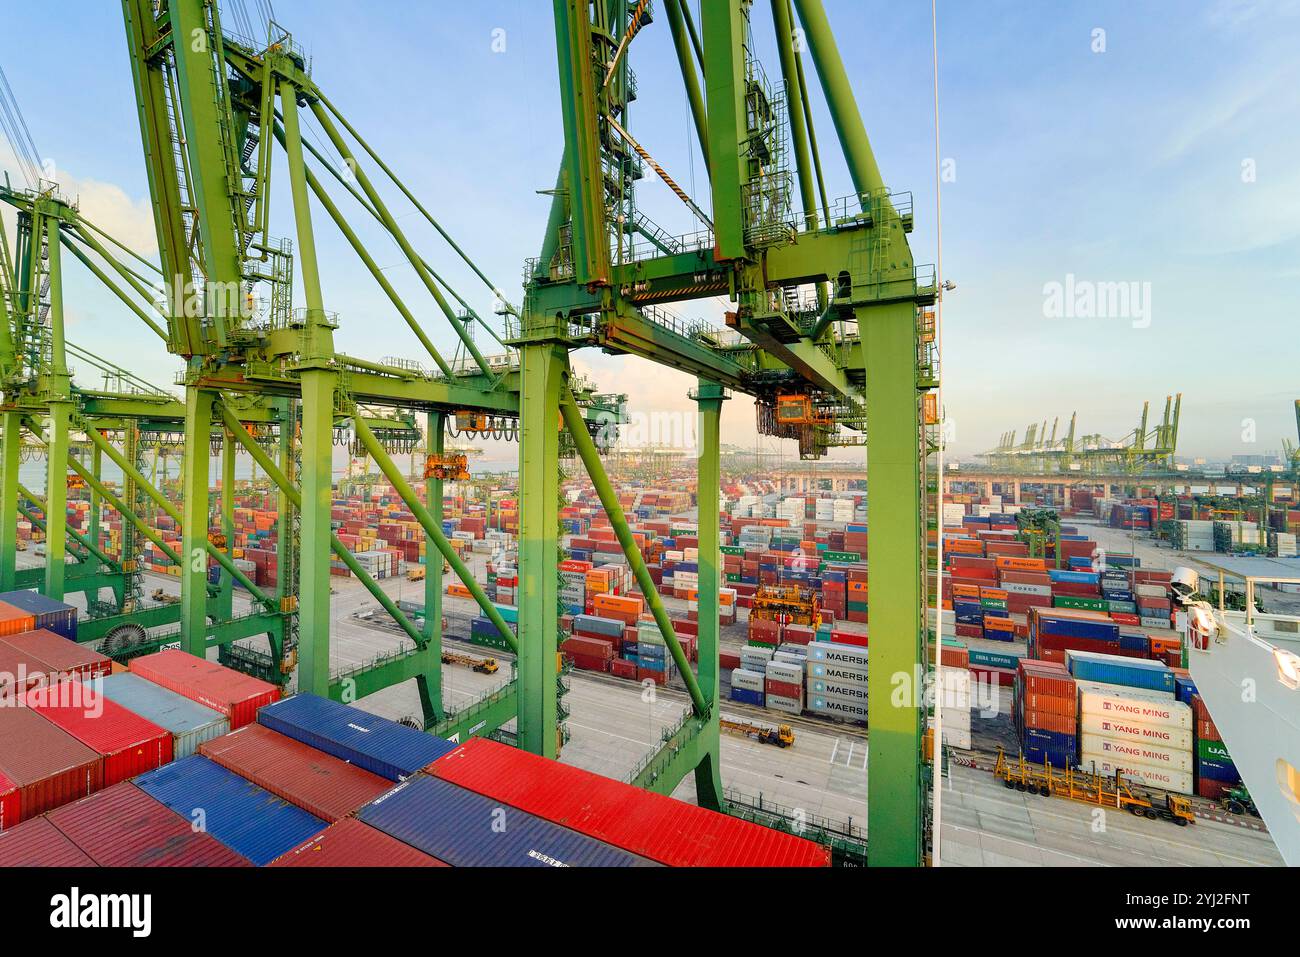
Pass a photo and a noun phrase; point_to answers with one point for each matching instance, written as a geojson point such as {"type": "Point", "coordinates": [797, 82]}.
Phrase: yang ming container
{"type": "Point", "coordinates": [128, 744]}
{"type": "Point", "coordinates": [122, 826]}
{"type": "Point", "coordinates": [349, 843]}
{"type": "Point", "coordinates": [50, 766]}
{"type": "Point", "coordinates": [250, 821]}
{"type": "Point", "coordinates": [316, 782]}
{"type": "Point", "coordinates": [234, 694]}
{"type": "Point", "coordinates": [651, 825]}
{"type": "Point", "coordinates": [189, 722]}
{"type": "Point", "coordinates": [383, 747]}
{"type": "Point", "coordinates": [465, 829]}
{"type": "Point", "coordinates": [38, 843]}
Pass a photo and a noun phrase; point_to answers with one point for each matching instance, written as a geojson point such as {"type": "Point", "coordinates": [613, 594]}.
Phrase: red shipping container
{"type": "Point", "coordinates": [122, 826]}
{"type": "Point", "coordinates": [350, 843]}
{"type": "Point", "coordinates": [10, 804]}
{"type": "Point", "coordinates": [855, 638]}
{"type": "Point", "coordinates": [128, 744]}
{"type": "Point", "coordinates": [50, 766]}
{"type": "Point", "coordinates": [319, 783]}
{"type": "Point", "coordinates": [236, 695]}
{"type": "Point", "coordinates": [651, 825]}
{"type": "Point", "coordinates": [784, 689]}
{"type": "Point", "coordinates": [13, 667]}
{"type": "Point", "coordinates": [38, 843]}
{"type": "Point", "coordinates": [47, 652]}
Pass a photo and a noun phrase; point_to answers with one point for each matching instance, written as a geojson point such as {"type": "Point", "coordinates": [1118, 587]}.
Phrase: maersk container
{"type": "Point", "coordinates": [56, 616]}
{"type": "Point", "coordinates": [833, 671]}
{"type": "Point", "coordinates": [1115, 670]}
{"type": "Point", "coordinates": [851, 692]}
{"type": "Point", "coordinates": [189, 722]}
{"type": "Point", "coordinates": [465, 829]}
{"type": "Point", "coordinates": [50, 766]}
{"type": "Point", "coordinates": [651, 825]}
{"type": "Point", "coordinates": [349, 843]}
{"type": "Point", "coordinates": [38, 843]}
{"type": "Point", "coordinates": [834, 653]}
{"type": "Point", "coordinates": [383, 747]}
{"type": "Point", "coordinates": [123, 826]}
{"type": "Point", "coordinates": [749, 680]}
{"type": "Point", "coordinates": [239, 814]}
{"type": "Point", "coordinates": [851, 710]}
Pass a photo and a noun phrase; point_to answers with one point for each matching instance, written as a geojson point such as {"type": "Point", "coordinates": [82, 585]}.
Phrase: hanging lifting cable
{"type": "Point", "coordinates": [318, 108]}
{"type": "Point", "coordinates": [633, 29]}
{"type": "Point", "coordinates": [415, 202]}
{"type": "Point", "coordinates": [113, 287]}
{"type": "Point", "coordinates": [365, 204]}
{"type": "Point", "coordinates": [82, 221]}
{"type": "Point", "coordinates": [112, 369]}
{"type": "Point", "coordinates": [15, 128]}
{"type": "Point", "coordinates": [681, 193]}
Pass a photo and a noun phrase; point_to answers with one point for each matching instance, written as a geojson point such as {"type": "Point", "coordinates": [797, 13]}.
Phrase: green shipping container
{"type": "Point", "coordinates": [1212, 750]}
{"type": "Point", "coordinates": [1083, 604]}
{"type": "Point", "coordinates": [842, 556]}
{"type": "Point", "coordinates": [997, 604]}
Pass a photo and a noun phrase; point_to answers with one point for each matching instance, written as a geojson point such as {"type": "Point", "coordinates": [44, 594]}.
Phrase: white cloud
{"type": "Point", "coordinates": [128, 220]}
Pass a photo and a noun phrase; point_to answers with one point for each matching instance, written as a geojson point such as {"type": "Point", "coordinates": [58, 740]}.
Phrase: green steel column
{"type": "Point", "coordinates": [708, 777]}
{"type": "Point", "coordinates": [839, 97]}
{"type": "Point", "coordinates": [194, 520]}
{"type": "Point", "coordinates": [226, 602]}
{"type": "Point", "coordinates": [284, 521]}
{"type": "Point", "coordinates": [10, 455]}
{"type": "Point", "coordinates": [314, 542]}
{"type": "Point", "coordinates": [430, 683]}
{"type": "Point", "coordinates": [96, 469]}
{"type": "Point", "coordinates": [318, 381]}
{"type": "Point", "coordinates": [724, 25]}
{"type": "Point", "coordinates": [894, 564]}
{"type": "Point", "coordinates": [614, 512]}
{"type": "Point", "coordinates": [542, 370]}
{"type": "Point", "coordinates": [56, 481]}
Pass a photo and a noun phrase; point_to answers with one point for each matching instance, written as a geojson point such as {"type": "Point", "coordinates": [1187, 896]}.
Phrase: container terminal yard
{"type": "Point", "coordinates": [646, 657]}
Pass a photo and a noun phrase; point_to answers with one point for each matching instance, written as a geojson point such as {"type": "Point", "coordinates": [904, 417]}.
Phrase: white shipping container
{"type": "Point", "coordinates": [748, 680]}
{"type": "Point", "coordinates": [1121, 750]}
{"type": "Point", "coordinates": [851, 692]}
{"type": "Point", "coordinates": [1124, 691]}
{"type": "Point", "coordinates": [1180, 782]}
{"type": "Point", "coordinates": [852, 710]}
{"type": "Point", "coordinates": [836, 672]}
{"type": "Point", "coordinates": [831, 652]}
{"type": "Point", "coordinates": [1162, 735]}
{"type": "Point", "coordinates": [780, 703]}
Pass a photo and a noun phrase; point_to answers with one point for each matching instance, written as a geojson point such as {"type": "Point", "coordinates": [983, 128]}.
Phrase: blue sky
{"type": "Point", "coordinates": [1117, 166]}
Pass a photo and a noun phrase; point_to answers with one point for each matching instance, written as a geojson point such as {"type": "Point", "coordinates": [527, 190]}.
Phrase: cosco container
{"type": "Point", "coordinates": [465, 829]}
{"type": "Point", "coordinates": [234, 694]}
{"type": "Point", "coordinates": [383, 747]}
{"type": "Point", "coordinates": [128, 744]}
{"type": "Point", "coordinates": [50, 766]}
{"type": "Point", "coordinates": [122, 826]}
{"type": "Point", "coordinates": [349, 843]}
{"type": "Point", "coordinates": [248, 820]}
{"type": "Point", "coordinates": [38, 843]}
{"type": "Point", "coordinates": [651, 825]}
{"type": "Point", "coordinates": [189, 722]}
{"type": "Point", "coordinates": [316, 782]}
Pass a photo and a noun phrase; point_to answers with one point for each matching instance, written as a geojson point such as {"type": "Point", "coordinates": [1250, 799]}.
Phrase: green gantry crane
{"type": "Point", "coordinates": [830, 331]}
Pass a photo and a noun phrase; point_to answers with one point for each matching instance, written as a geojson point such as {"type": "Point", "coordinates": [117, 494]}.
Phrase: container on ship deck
{"type": "Point", "coordinates": [49, 766]}
{"type": "Point", "coordinates": [127, 743]}
{"type": "Point", "coordinates": [38, 843]}
{"type": "Point", "coordinates": [464, 830]}
{"type": "Point", "coordinates": [234, 694]}
{"type": "Point", "coordinates": [122, 826]}
{"type": "Point", "coordinates": [48, 652]}
{"type": "Point", "coordinates": [383, 747]}
{"type": "Point", "coordinates": [189, 722]}
{"type": "Point", "coordinates": [349, 843]}
{"type": "Point", "coordinates": [652, 825]}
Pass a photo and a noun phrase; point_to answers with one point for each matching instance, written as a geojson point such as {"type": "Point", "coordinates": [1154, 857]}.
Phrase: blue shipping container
{"type": "Point", "coordinates": [1130, 672]}
{"type": "Point", "coordinates": [747, 696]}
{"type": "Point", "coordinates": [56, 616]}
{"type": "Point", "coordinates": [239, 814]}
{"type": "Point", "coordinates": [465, 829]}
{"type": "Point", "coordinates": [376, 744]}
